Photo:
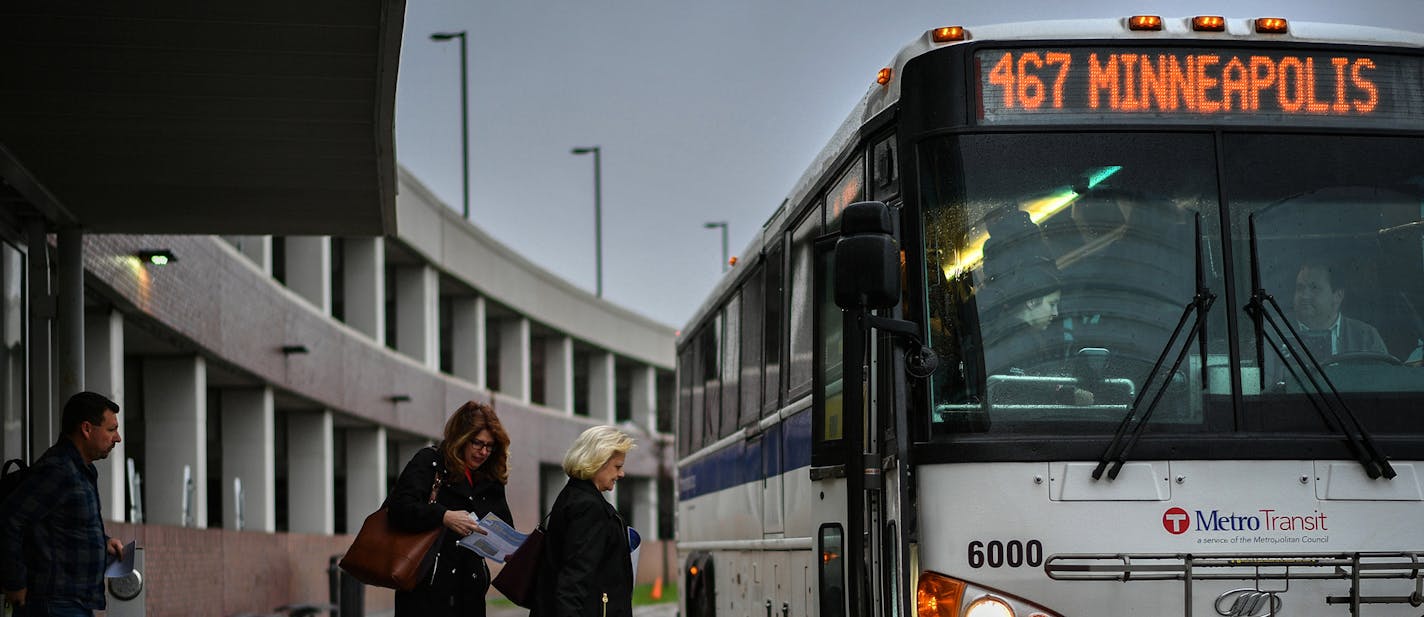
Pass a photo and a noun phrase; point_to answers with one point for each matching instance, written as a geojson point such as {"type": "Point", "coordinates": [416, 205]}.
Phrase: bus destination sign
{"type": "Point", "coordinates": [1080, 85]}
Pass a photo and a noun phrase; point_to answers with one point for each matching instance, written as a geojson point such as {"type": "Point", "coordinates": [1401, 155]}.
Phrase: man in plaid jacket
{"type": "Point", "coordinates": [52, 540]}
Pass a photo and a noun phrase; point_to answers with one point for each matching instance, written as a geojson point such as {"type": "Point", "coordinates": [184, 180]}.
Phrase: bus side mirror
{"type": "Point", "coordinates": [867, 258]}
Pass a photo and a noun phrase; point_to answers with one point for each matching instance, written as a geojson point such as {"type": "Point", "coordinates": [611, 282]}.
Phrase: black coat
{"type": "Point", "coordinates": [458, 580]}
{"type": "Point", "coordinates": [585, 558]}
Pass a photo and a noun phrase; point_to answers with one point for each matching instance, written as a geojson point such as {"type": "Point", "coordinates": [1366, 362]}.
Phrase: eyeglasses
{"type": "Point", "coordinates": [482, 445]}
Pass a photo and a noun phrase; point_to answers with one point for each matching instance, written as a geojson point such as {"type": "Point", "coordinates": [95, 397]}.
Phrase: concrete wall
{"type": "Point", "coordinates": [223, 313]}
{"type": "Point", "coordinates": [468, 253]}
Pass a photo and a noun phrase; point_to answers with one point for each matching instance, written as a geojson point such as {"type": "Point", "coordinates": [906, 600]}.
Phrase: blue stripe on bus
{"type": "Point", "coordinates": [742, 462]}
{"type": "Point", "coordinates": [796, 443]}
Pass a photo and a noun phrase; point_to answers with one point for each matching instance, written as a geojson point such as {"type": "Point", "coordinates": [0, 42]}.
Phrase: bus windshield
{"type": "Point", "coordinates": [1060, 265]}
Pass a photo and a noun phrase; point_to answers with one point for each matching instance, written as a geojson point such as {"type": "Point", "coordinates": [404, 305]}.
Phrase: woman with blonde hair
{"type": "Point", "coordinates": [585, 569]}
{"type": "Point", "coordinates": [471, 466]}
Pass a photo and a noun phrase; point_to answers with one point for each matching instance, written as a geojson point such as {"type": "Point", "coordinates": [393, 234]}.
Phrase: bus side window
{"type": "Point", "coordinates": [771, 333]}
{"type": "Point", "coordinates": [684, 401]}
{"type": "Point", "coordinates": [884, 173]}
{"type": "Point", "coordinates": [831, 347]}
{"type": "Point", "coordinates": [731, 368]}
{"type": "Point", "coordinates": [799, 361]}
{"type": "Point", "coordinates": [848, 189]}
{"type": "Point", "coordinates": [753, 312]}
{"type": "Point", "coordinates": [711, 346]}
{"type": "Point", "coordinates": [699, 387]}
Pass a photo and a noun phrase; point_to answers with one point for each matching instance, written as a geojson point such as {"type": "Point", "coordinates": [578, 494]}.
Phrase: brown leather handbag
{"type": "Point", "coordinates": [516, 580]}
{"type": "Point", "coordinates": [384, 556]}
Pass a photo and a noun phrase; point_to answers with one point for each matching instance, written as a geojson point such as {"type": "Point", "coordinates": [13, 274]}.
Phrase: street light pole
{"type": "Point", "coordinates": [597, 213]}
{"type": "Point", "coordinates": [464, 116]}
{"type": "Point", "coordinates": [723, 225]}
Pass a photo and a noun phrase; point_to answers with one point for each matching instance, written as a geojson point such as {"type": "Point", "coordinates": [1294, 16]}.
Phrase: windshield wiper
{"type": "Point", "coordinates": [1332, 408]}
{"type": "Point", "coordinates": [1197, 309]}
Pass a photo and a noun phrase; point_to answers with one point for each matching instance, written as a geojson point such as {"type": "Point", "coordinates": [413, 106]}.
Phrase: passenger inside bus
{"type": "Point", "coordinates": [1027, 340]}
{"type": "Point", "coordinates": [1344, 262]}
{"type": "Point", "coordinates": [1319, 292]}
{"type": "Point", "coordinates": [1330, 335]}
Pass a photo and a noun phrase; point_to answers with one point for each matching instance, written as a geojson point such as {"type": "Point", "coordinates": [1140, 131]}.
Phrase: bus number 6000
{"type": "Point", "coordinates": [1013, 554]}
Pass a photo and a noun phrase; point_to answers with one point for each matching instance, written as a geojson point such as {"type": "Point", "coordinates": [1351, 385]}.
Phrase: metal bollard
{"type": "Point", "coordinates": [333, 585]}
{"type": "Point", "coordinates": [348, 595]}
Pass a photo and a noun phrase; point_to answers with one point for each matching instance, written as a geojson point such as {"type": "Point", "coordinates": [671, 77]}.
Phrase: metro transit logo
{"type": "Point", "coordinates": [1176, 521]}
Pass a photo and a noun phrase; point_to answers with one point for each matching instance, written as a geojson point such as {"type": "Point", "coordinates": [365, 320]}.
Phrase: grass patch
{"type": "Point", "coordinates": [643, 594]}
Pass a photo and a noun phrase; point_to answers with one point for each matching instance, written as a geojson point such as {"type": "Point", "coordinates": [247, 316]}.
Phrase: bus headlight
{"type": "Point", "coordinates": [938, 595]}
{"type": "Point", "coordinates": [989, 606]}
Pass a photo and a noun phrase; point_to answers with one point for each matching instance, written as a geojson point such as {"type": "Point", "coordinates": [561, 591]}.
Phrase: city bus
{"type": "Point", "coordinates": [1115, 316]}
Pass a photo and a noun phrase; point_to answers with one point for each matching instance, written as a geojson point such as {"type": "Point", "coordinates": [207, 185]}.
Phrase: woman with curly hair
{"type": "Point", "coordinates": [472, 464]}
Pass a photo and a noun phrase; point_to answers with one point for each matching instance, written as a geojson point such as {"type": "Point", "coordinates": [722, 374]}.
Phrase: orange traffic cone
{"type": "Point", "coordinates": [658, 588]}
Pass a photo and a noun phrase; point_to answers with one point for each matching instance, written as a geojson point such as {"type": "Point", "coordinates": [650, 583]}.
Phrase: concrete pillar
{"type": "Point", "coordinates": [175, 435]}
{"type": "Point", "coordinates": [104, 373]}
{"type": "Point", "coordinates": [467, 336]}
{"type": "Point", "coordinates": [418, 314]}
{"type": "Point", "coordinates": [364, 281]}
{"type": "Point", "coordinates": [365, 474]}
{"type": "Point", "coordinates": [551, 481]}
{"type": "Point", "coordinates": [601, 387]}
{"type": "Point", "coordinates": [514, 359]}
{"type": "Point", "coordinates": [44, 414]}
{"type": "Point", "coordinates": [645, 507]}
{"type": "Point", "coordinates": [69, 327]}
{"type": "Point", "coordinates": [405, 450]}
{"type": "Point", "coordinates": [12, 364]}
{"type": "Point", "coordinates": [256, 248]}
{"type": "Point", "coordinates": [309, 269]}
{"type": "Point", "coordinates": [249, 451]}
{"type": "Point", "coordinates": [559, 373]}
{"type": "Point", "coordinates": [311, 502]}
{"type": "Point", "coordinates": [644, 391]}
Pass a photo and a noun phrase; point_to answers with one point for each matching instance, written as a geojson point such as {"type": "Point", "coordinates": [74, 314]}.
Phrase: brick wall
{"type": "Point", "coordinates": [217, 572]}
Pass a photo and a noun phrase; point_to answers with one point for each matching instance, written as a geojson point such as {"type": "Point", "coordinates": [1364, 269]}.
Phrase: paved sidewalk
{"type": "Point", "coordinates": [668, 609]}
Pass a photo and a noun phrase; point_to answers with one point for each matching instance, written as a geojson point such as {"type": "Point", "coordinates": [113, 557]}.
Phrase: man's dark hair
{"type": "Point", "coordinates": [85, 407]}
{"type": "Point", "coordinates": [1332, 272]}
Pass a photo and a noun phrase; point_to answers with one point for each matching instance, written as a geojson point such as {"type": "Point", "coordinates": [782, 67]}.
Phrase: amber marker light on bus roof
{"type": "Point", "coordinates": [1144, 22]}
{"type": "Point", "coordinates": [1270, 25]}
{"type": "Point", "coordinates": [947, 34]}
{"type": "Point", "coordinates": [884, 76]}
{"type": "Point", "coordinates": [1209, 23]}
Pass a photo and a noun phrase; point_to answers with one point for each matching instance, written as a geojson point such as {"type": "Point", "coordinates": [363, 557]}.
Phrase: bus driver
{"type": "Point", "coordinates": [1021, 342]}
{"type": "Point", "coordinates": [1322, 327]}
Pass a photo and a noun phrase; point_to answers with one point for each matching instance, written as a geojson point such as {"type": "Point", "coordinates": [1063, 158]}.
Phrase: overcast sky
{"type": "Point", "coordinates": [705, 111]}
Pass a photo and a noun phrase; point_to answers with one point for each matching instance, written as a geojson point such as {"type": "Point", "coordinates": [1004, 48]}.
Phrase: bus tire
{"type": "Point", "coordinates": [701, 586]}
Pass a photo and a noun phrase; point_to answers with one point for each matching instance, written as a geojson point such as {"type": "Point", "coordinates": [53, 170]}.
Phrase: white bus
{"type": "Point", "coordinates": [1127, 322]}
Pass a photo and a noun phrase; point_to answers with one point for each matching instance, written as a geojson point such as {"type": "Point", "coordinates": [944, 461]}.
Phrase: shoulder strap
{"type": "Point", "coordinates": [435, 486]}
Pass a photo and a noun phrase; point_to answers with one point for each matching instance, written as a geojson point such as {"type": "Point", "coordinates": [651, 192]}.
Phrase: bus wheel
{"type": "Point", "coordinates": [700, 586]}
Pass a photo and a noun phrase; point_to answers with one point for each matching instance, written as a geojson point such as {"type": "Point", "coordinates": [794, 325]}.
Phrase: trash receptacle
{"type": "Point", "coordinates": [348, 595]}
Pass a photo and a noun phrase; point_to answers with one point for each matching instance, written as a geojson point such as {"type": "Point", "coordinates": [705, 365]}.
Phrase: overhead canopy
{"type": "Point", "coordinates": [174, 116]}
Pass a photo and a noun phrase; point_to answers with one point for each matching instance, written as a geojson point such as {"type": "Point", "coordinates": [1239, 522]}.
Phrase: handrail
{"type": "Point", "coordinates": [1190, 568]}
